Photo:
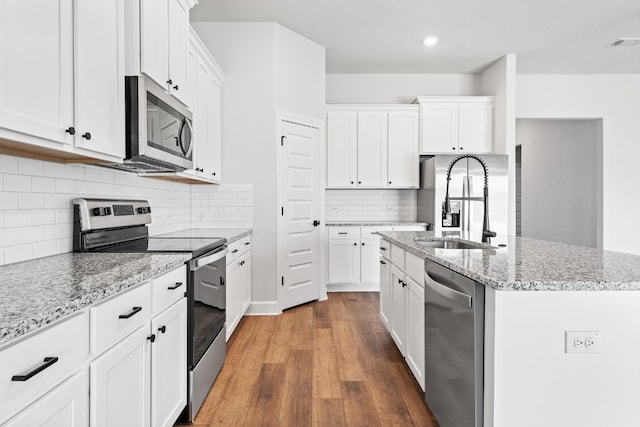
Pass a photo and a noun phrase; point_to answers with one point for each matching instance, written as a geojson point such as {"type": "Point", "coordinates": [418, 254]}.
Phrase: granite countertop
{"type": "Point", "coordinates": [231, 234]}
{"type": "Point", "coordinates": [35, 293]}
{"type": "Point", "coordinates": [371, 223]}
{"type": "Point", "coordinates": [532, 265]}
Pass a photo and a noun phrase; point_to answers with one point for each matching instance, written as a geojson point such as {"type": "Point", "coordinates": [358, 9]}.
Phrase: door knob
{"type": "Point", "coordinates": [316, 223]}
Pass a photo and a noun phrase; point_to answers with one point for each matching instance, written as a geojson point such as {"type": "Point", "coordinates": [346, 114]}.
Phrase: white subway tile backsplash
{"type": "Point", "coordinates": [31, 200]}
{"type": "Point", "coordinates": [363, 205]}
{"type": "Point", "coordinates": [17, 182]}
{"type": "Point", "coordinates": [36, 216]}
{"type": "Point", "coordinates": [8, 164]}
{"type": "Point", "coordinates": [8, 200]}
{"type": "Point", "coordinates": [30, 167]}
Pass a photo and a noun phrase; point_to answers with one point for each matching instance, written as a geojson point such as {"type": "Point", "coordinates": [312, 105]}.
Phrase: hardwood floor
{"type": "Point", "coordinates": [329, 363]}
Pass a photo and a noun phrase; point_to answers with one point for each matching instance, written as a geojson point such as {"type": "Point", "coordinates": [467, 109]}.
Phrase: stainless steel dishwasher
{"type": "Point", "coordinates": [454, 347]}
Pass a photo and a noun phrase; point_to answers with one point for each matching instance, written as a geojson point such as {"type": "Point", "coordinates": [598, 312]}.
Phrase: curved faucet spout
{"type": "Point", "coordinates": [486, 233]}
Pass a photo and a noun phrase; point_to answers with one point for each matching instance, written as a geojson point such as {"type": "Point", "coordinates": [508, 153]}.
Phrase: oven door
{"type": "Point", "coordinates": [208, 305]}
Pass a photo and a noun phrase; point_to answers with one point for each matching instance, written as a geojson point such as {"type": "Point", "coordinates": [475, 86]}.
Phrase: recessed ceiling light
{"type": "Point", "coordinates": [430, 41]}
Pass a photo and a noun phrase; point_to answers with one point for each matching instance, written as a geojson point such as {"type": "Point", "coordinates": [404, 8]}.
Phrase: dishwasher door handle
{"type": "Point", "coordinates": [447, 292]}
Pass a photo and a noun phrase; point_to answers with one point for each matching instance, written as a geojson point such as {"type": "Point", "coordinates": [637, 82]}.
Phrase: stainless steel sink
{"type": "Point", "coordinates": [451, 244]}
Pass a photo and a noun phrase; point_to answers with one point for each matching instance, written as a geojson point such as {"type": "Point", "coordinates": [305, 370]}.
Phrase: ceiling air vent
{"type": "Point", "coordinates": [625, 42]}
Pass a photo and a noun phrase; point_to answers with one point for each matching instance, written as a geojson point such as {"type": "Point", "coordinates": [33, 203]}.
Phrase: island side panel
{"type": "Point", "coordinates": [534, 382]}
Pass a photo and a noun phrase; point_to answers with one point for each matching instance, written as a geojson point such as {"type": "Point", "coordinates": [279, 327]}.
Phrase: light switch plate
{"type": "Point", "coordinates": [582, 342]}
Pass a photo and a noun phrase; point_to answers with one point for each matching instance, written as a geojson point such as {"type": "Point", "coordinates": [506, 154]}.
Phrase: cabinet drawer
{"type": "Point", "coordinates": [385, 249]}
{"type": "Point", "coordinates": [116, 318]}
{"type": "Point", "coordinates": [245, 244]}
{"type": "Point", "coordinates": [344, 233]}
{"type": "Point", "coordinates": [370, 232]}
{"type": "Point", "coordinates": [233, 251]}
{"type": "Point", "coordinates": [169, 288]}
{"type": "Point", "coordinates": [67, 341]}
{"type": "Point", "coordinates": [397, 257]}
{"type": "Point", "coordinates": [414, 268]}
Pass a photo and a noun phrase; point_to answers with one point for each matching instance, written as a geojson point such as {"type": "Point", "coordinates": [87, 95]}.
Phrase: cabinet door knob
{"type": "Point", "coordinates": [87, 136]}
{"type": "Point", "coordinates": [71, 130]}
{"type": "Point", "coordinates": [162, 329]}
{"type": "Point", "coordinates": [152, 338]}
{"type": "Point", "coordinates": [355, 244]}
{"type": "Point", "coordinates": [461, 148]}
{"type": "Point", "coordinates": [362, 243]}
{"type": "Point", "coordinates": [352, 182]}
{"type": "Point", "coordinates": [453, 148]}
{"type": "Point", "coordinates": [170, 81]}
{"type": "Point", "coordinates": [176, 87]}
{"type": "Point", "coordinates": [214, 174]}
{"type": "Point", "coordinates": [389, 182]}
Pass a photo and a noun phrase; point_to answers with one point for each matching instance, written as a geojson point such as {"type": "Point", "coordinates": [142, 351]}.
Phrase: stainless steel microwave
{"type": "Point", "coordinates": [159, 129]}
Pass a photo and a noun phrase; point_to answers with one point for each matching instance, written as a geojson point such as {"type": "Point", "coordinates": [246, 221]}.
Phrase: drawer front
{"type": "Point", "coordinates": [67, 341]}
{"type": "Point", "coordinates": [233, 251]}
{"type": "Point", "coordinates": [414, 268]}
{"type": "Point", "coordinates": [370, 232]}
{"type": "Point", "coordinates": [385, 249]}
{"type": "Point", "coordinates": [397, 257]}
{"type": "Point", "coordinates": [169, 288]}
{"type": "Point", "coordinates": [245, 244]}
{"type": "Point", "coordinates": [336, 233]}
{"type": "Point", "coordinates": [116, 318]}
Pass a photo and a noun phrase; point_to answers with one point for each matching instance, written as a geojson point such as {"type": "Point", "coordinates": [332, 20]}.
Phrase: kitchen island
{"type": "Point", "coordinates": [535, 292]}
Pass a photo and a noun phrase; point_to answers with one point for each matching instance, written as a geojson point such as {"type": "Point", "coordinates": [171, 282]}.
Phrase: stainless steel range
{"type": "Point", "coordinates": [103, 225]}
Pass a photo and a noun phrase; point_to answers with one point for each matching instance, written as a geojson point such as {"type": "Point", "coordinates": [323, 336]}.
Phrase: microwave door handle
{"type": "Point", "coordinates": [187, 123]}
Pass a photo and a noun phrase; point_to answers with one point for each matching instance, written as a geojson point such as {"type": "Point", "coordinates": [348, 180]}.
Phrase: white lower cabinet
{"type": "Point", "coordinates": [65, 406]}
{"type": "Point", "coordinates": [120, 383]}
{"type": "Point", "coordinates": [402, 304]}
{"type": "Point", "coordinates": [354, 255]}
{"type": "Point", "coordinates": [238, 283]}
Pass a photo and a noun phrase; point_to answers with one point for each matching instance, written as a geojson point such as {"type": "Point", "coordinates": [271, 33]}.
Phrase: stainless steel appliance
{"type": "Point", "coordinates": [120, 226]}
{"type": "Point", "coordinates": [466, 196]}
{"type": "Point", "coordinates": [454, 347]}
{"type": "Point", "coordinates": [159, 130]}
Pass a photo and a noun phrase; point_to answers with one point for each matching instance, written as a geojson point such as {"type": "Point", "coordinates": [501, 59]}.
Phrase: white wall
{"type": "Point", "coordinates": [616, 100]}
{"type": "Point", "coordinates": [267, 68]}
{"type": "Point", "coordinates": [532, 382]}
{"type": "Point", "coordinates": [559, 195]}
{"type": "Point", "coordinates": [36, 216]}
{"type": "Point", "coordinates": [396, 88]}
{"type": "Point", "coordinates": [499, 80]}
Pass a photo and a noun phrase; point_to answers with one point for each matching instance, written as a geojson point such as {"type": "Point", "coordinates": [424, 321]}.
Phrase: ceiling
{"type": "Point", "coordinates": [385, 36]}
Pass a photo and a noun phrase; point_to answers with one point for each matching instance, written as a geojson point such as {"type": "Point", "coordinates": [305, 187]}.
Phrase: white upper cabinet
{"type": "Point", "coordinates": [154, 36]}
{"type": "Point", "coordinates": [178, 37]}
{"type": "Point", "coordinates": [403, 156]}
{"type": "Point", "coordinates": [372, 149]}
{"type": "Point", "coordinates": [62, 78]}
{"type": "Point", "coordinates": [162, 45]}
{"type": "Point", "coordinates": [99, 73]}
{"type": "Point", "coordinates": [342, 149]}
{"type": "Point", "coordinates": [36, 68]}
{"type": "Point", "coordinates": [456, 124]}
{"type": "Point", "coordinates": [372, 146]}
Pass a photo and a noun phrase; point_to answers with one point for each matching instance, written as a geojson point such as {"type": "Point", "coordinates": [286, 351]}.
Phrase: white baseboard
{"type": "Point", "coordinates": [353, 287]}
{"type": "Point", "coordinates": [263, 308]}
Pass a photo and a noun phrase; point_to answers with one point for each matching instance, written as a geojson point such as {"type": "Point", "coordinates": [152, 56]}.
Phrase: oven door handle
{"type": "Point", "coordinates": [206, 260]}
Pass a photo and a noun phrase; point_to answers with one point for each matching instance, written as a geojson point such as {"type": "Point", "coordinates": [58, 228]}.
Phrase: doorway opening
{"type": "Point", "coordinates": [559, 180]}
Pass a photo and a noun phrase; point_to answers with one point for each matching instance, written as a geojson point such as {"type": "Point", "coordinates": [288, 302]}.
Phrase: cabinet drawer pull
{"type": "Point", "coordinates": [234, 251]}
{"type": "Point", "coordinates": [176, 286]}
{"type": "Point", "coordinates": [383, 249]}
{"type": "Point", "coordinates": [133, 311]}
{"type": "Point", "coordinates": [382, 262]}
{"type": "Point", "coordinates": [247, 243]}
{"type": "Point", "coordinates": [343, 233]}
{"type": "Point", "coordinates": [48, 361]}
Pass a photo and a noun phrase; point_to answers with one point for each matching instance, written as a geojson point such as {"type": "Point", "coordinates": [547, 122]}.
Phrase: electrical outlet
{"type": "Point", "coordinates": [582, 342]}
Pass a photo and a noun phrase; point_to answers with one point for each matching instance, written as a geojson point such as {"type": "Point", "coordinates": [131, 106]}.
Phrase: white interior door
{"type": "Point", "coordinates": [299, 196]}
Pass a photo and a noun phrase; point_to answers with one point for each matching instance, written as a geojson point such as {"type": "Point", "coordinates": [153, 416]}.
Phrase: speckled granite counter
{"type": "Point", "coordinates": [371, 223]}
{"type": "Point", "coordinates": [35, 293]}
{"type": "Point", "coordinates": [231, 234]}
{"type": "Point", "coordinates": [532, 265]}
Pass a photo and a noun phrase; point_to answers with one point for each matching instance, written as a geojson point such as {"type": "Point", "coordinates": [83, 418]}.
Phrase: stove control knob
{"type": "Point", "coordinates": [102, 211]}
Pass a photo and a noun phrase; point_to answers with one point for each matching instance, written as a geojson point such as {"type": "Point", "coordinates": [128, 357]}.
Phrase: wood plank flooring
{"type": "Point", "coordinates": [329, 363]}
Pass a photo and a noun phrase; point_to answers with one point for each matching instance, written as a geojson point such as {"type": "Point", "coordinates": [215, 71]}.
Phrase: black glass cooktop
{"type": "Point", "coordinates": [196, 247]}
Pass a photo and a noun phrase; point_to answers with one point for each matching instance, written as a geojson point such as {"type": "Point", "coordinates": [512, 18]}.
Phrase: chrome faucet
{"type": "Point", "coordinates": [446, 208]}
